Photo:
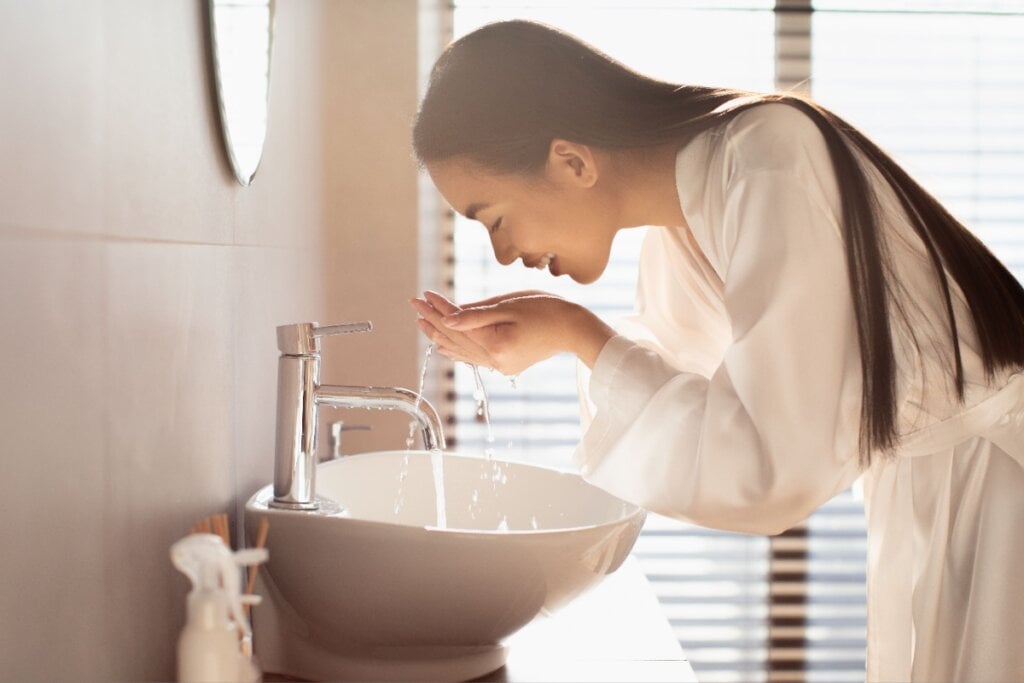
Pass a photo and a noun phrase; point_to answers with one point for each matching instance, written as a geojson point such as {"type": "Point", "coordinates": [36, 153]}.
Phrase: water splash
{"type": "Point", "coordinates": [499, 473]}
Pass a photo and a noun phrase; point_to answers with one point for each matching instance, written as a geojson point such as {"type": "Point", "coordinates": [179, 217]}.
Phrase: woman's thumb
{"type": "Point", "coordinates": [474, 318]}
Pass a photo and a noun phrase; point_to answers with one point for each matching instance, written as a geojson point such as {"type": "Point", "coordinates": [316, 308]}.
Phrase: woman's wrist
{"type": "Point", "coordinates": [588, 334]}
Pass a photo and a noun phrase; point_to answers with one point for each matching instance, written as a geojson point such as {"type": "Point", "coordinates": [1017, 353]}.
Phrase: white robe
{"type": "Point", "coordinates": [732, 400]}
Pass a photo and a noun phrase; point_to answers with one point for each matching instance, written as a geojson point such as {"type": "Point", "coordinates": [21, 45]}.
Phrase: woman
{"type": "Point", "coordinates": [807, 314]}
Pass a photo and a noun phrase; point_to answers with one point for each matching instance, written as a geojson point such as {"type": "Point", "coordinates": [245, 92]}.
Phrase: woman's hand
{"type": "Point", "coordinates": [511, 332]}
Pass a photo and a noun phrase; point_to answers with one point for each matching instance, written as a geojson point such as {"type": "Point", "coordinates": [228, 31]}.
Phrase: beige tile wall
{"type": "Point", "coordinates": [140, 286]}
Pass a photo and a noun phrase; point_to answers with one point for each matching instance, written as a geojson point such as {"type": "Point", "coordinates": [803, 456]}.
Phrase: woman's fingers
{"type": "Point", "coordinates": [440, 303]}
{"type": "Point", "coordinates": [433, 328]}
{"type": "Point", "coordinates": [433, 334]}
{"type": "Point", "coordinates": [428, 314]}
{"type": "Point", "coordinates": [453, 354]}
{"type": "Point", "coordinates": [447, 348]}
{"type": "Point", "coordinates": [475, 318]}
{"type": "Point", "coordinates": [505, 297]}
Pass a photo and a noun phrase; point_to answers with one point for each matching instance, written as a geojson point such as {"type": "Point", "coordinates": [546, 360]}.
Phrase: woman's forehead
{"type": "Point", "coordinates": [468, 187]}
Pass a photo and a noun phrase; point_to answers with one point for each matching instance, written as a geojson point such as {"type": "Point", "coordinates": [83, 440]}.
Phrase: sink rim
{"type": "Point", "coordinates": [258, 503]}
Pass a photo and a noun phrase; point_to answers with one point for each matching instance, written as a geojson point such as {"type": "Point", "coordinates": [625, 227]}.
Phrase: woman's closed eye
{"type": "Point", "coordinates": [494, 228]}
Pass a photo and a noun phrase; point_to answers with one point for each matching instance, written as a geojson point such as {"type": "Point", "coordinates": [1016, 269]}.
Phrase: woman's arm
{"type": "Point", "coordinates": [773, 433]}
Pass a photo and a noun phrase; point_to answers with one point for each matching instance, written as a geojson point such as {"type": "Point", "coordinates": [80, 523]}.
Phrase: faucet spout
{"type": "Point", "coordinates": [299, 396]}
{"type": "Point", "coordinates": [390, 398]}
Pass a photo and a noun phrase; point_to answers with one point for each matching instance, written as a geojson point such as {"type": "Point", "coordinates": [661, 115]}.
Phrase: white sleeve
{"type": "Point", "coordinates": [678, 314]}
{"type": "Point", "coordinates": [773, 433]}
{"type": "Point", "coordinates": [679, 311]}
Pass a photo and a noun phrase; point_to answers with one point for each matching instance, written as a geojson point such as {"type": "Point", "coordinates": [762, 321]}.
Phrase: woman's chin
{"type": "Point", "coordinates": [583, 274]}
{"type": "Point", "coordinates": [591, 269]}
{"type": "Point", "coordinates": [583, 278]}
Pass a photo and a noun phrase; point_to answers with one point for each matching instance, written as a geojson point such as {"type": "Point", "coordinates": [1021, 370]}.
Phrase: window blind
{"type": "Point", "coordinates": [942, 90]}
{"type": "Point", "coordinates": [745, 609]}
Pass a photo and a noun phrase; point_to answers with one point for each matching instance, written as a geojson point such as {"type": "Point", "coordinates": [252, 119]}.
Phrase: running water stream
{"type": "Point", "coordinates": [411, 440]}
{"type": "Point", "coordinates": [483, 409]}
{"type": "Point", "coordinates": [436, 461]}
{"type": "Point", "coordinates": [483, 412]}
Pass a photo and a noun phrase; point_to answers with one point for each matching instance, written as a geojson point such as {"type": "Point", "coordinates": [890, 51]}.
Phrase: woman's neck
{"type": "Point", "coordinates": [645, 181]}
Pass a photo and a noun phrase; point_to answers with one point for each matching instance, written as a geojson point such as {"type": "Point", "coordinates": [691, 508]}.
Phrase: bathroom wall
{"type": "Point", "coordinates": [140, 286]}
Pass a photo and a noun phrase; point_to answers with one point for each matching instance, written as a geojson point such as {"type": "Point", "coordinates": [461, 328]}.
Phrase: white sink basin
{"type": "Point", "coordinates": [369, 588]}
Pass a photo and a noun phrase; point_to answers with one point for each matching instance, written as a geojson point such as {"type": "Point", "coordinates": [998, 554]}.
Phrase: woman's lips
{"type": "Point", "coordinates": [544, 261]}
{"type": "Point", "coordinates": [548, 261]}
{"type": "Point", "coordinates": [553, 267]}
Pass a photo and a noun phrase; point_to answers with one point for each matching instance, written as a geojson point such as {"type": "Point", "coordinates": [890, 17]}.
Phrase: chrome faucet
{"type": "Point", "coordinates": [299, 395]}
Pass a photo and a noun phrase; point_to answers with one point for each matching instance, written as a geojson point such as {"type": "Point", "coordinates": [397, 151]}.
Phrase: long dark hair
{"type": "Point", "coordinates": [499, 96]}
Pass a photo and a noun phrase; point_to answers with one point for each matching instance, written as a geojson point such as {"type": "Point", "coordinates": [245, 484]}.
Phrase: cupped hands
{"type": "Point", "coordinates": [512, 331]}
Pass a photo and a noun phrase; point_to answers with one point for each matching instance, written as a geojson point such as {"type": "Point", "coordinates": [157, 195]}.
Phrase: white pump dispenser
{"type": "Point", "coordinates": [209, 649]}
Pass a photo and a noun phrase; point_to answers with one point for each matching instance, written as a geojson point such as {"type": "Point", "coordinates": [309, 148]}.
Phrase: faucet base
{"type": "Point", "coordinates": [285, 505]}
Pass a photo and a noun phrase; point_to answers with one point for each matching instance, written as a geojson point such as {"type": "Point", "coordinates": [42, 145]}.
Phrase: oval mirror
{"type": "Point", "coordinates": [241, 33]}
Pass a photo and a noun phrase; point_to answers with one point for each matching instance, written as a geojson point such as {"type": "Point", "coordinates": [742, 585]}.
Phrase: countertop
{"type": "Point", "coordinates": [614, 632]}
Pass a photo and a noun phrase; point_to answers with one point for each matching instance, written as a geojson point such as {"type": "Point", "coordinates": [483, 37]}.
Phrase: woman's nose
{"type": "Point", "coordinates": [504, 253]}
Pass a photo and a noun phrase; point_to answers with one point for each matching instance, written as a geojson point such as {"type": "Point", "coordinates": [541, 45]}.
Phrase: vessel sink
{"type": "Point", "coordinates": [372, 587]}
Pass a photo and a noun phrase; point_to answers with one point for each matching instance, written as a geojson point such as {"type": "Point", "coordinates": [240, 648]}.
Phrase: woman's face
{"type": "Point", "coordinates": [561, 218]}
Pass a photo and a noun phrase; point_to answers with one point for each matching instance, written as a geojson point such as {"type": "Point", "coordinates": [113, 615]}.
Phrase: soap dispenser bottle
{"type": "Point", "coordinates": [209, 648]}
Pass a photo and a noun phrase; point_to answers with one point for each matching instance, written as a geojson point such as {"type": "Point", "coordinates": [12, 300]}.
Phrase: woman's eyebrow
{"type": "Point", "coordinates": [472, 210]}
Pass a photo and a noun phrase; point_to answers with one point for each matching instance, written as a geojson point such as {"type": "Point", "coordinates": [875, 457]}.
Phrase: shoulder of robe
{"type": "Point", "coordinates": [774, 137]}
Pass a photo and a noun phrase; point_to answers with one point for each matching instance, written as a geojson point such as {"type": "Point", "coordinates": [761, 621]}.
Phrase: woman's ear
{"type": "Point", "coordinates": [572, 163]}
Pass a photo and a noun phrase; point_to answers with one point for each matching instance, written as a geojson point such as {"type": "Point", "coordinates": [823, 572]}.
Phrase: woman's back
{"type": "Point", "coordinates": [945, 509]}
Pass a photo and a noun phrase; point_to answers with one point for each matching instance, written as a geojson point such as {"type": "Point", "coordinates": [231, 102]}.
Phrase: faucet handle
{"type": "Point", "coordinates": [344, 328]}
{"type": "Point", "coordinates": [303, 339]}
